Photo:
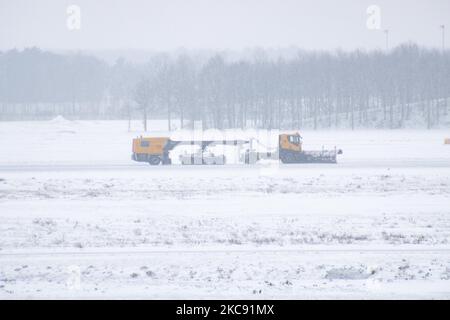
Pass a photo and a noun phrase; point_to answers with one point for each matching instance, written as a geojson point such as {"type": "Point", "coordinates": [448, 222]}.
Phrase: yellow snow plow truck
{"type": "Point", "coordinates": [291, 151]}
{"type": "Point", "coordinates": [155, 150]}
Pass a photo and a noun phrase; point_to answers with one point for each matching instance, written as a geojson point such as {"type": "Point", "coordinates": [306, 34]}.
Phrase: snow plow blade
{"type": "Point", "coordinates": [323, 156]}
{"type": "Point", "coordinates": [326, 156]}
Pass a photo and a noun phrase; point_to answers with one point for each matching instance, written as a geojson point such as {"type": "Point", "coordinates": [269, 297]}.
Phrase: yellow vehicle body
{"type": "Point", "coordinates": [150, 145]}
{"type": "Point", "coordinates": [151, 149]}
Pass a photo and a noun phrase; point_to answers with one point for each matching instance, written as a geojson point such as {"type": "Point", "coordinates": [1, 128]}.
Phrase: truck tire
{"type": "Point", "coordinates": [154, 160]}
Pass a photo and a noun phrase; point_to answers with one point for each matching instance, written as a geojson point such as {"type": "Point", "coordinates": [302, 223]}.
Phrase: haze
{"type": "Point", "coordinates": [209, 24]}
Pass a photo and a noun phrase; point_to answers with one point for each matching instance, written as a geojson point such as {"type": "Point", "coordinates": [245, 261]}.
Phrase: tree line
{"type": "Point", "coordinates": [312, 89]}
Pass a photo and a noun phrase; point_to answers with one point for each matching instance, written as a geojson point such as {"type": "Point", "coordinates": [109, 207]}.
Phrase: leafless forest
{"type": "Point", "coordinates": [311, 89]}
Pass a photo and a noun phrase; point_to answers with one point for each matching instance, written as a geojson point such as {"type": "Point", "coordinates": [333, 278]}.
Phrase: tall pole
{"type": "Point", "coordinates": [443, 37]}
{"type": "Point", "coordinates": [386, 32]}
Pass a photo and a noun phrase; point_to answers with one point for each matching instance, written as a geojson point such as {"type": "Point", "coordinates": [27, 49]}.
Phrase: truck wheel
{"type": "Point", "coordinates": [154, 160]}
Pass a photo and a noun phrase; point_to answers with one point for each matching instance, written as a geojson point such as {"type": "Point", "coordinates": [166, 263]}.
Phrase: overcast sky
{"type": "Point", "coordinates": [219, 24]}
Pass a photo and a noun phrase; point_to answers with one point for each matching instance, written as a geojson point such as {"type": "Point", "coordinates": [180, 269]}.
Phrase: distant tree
{"type": "Point", "coordinates": [307, 89]}
{"type": "Point", "coordinates": [143, 96]}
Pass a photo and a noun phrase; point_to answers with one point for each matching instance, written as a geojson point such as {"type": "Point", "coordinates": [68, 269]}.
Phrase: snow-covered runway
{"type": "Point", "coordinates": [78, 219]}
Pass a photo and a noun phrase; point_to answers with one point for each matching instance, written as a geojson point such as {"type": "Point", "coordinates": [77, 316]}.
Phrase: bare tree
{"type": "Point", "coordinates": [142, 96]}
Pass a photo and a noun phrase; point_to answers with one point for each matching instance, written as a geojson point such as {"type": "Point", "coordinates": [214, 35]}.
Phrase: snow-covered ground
{"type": "Point", "coordinates": [79, 219]}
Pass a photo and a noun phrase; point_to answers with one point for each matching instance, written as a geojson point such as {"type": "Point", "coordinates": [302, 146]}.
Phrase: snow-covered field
{"type": "Point", "coordinates": [79, 219]}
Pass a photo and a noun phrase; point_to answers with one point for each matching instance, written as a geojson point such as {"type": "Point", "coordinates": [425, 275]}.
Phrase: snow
{"type": "Point", "coordinates": [63, 142]}
{"type": "Point", "coordinates": [80, 219]}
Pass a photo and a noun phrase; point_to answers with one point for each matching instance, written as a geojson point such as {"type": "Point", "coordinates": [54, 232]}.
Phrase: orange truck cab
{"type": "Point", "coordinates": [152, 150]}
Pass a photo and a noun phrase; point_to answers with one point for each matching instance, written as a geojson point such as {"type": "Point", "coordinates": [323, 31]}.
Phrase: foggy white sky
{"type": "Point", "coordinates": [219, 24]}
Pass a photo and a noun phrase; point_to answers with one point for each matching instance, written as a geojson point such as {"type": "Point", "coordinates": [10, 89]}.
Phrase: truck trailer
{"type": "Point", "coordinates": [155, 151]}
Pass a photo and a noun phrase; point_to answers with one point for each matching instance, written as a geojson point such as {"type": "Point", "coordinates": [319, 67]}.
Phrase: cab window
{"type": "Point", "coordinates": [145, 143]}
{"type": "Point", "coordinates": [294, 139]}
